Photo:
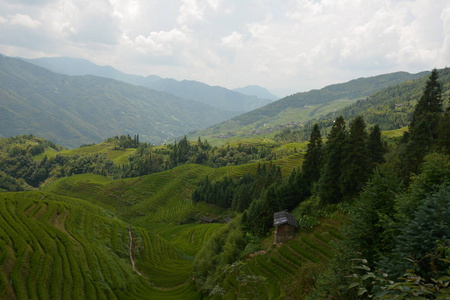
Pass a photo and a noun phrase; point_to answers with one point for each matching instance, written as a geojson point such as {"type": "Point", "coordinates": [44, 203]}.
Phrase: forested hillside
{"type": "Point", "coordinates": [391, 108]}
{"type": "Point", "coordinates": [72, 111]}
{"type": "Point", "coordinates": [124, 219]}
{"type": "Point", "coordinates": [293, 111]}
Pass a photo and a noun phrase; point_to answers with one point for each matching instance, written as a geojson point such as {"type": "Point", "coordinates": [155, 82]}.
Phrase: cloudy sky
{"type": "Point", "coordinates": [290, 45]}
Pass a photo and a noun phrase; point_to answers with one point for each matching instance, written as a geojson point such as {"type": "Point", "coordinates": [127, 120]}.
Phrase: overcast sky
{"type": "Point", "coordinates": [279, 44]}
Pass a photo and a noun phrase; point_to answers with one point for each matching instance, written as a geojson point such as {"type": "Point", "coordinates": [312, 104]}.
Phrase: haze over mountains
{"type": "Point", "coordinates": [80, 109]}
{"type": "Point", "coordinates": [75, 110]}
{"type": "Point", "coordinates": [233, 101]}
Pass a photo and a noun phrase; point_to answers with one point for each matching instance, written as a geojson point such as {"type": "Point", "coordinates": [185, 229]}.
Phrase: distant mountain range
{"type": "Point", "coordinates": [215, 96]}
{"type": "Point", "coordinates": [254, 90]}
{"type": "Point", "coordinates": [75, 110]}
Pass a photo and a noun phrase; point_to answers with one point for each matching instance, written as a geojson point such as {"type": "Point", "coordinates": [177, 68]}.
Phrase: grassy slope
{"type": "Point", "coordinates": [76, 250]}
{"type": "Point", "coordinates": [118, 156]}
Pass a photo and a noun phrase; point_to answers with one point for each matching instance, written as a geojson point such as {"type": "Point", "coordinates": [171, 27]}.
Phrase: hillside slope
{"type": "Point", "coordinates": [302, 107]}
{"type": "Point", "coordinates": [84, 109]}
{"type": "Point", "coordinates": [392, 107]}
{"type": "Point", "coordinates": [215, 96]}
{"type": "Point", "coordinates": [55, 247]}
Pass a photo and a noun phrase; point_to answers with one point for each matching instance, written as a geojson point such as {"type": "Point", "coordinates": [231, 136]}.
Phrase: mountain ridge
{"type": "Point", "coordinates": [302, 107]}
{"type": "Point", "coordinates": [258, 91]}
{"type": "Point", "coordinates": [75, 110]}
{"type": "Point", "coordinates": [215, 96]}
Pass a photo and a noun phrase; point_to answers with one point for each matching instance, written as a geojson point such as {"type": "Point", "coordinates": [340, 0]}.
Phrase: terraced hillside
{"type": "Point", "coordinates": [113, 239]}
{"type": "Point", "coordinates": [157, 198]}
{"type": "Point", "coordinates": [280, 264]}
{"type": "Point", "coordinates": [55, 247]}
{"type": "Point", "coordinates": [118, 156]}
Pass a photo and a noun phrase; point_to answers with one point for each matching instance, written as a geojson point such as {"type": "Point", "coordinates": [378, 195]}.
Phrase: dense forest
{"type": "Point", "coordinates": [372, 212]}
{"type": "Point", "coordinates": [399, 208]}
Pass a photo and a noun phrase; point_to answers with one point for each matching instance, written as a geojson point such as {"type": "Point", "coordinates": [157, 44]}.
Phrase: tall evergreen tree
{"type": "Point", "coordinates": [356, 163]}
{"type": "Point", "coordinates": [313, 160]}
{"type": "Point", "coordinates": [443, 140]}
{"type": "Point", "coordinates": [423, 129]}
{"type": "Point", "coordinates": [429, 106]}
{"type": "Point", "coordinates": [328, 185]}
{"type": "Point", "coordinates": [375, 146]}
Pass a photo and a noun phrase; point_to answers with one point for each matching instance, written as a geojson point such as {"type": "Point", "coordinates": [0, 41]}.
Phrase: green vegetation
{"type": "Point", "coordinates": [125, 219]}
{"type": "Point", "coordinates": [296, 110]}
{"type": "Point", "coordinates": [77, 110]}
{"type": "Point", "coordinates": [57, 247]}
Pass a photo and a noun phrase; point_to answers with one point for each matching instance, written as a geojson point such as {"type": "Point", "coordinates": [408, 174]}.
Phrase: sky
{"type": "Point", "coordinates": [285, 46]}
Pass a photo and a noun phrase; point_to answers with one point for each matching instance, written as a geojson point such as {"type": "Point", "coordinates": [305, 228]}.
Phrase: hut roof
{"type": "Point", "coordinates": [206, 219]}
{"type": "Point", "coordinates": [283, 217]}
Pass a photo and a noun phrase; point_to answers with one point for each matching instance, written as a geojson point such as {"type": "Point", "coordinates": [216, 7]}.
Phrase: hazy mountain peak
{"type": "Point", "coordinates": [258, 91]}
{"type": "Point", "coordinates": [214, 96]}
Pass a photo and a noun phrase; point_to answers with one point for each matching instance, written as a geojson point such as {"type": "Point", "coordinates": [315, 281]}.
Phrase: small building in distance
{"type": "Point", "coordinates": [207, 219]}
{"type": "Point", "coordinates": [286, 226]}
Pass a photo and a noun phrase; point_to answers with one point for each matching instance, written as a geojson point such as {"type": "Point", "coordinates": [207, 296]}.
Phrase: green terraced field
{"type": "Point", "coordinates": [150, 211]}
{"type": "Point", "coordinates": [118, 156]}
{"type": "Point", "coordinates": [283, 261]}
{"type": "Point", "coordinates": [187, 238]}
{"type": "Point", "coordinates": [56, 247]}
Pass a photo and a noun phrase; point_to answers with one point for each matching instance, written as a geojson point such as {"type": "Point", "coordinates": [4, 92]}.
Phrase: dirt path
{"type": "Point", "coordinates": [131, 253]}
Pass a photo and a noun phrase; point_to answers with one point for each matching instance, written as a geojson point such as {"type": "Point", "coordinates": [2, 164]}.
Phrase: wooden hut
{"type": "Point", "coordinates": [286, 226]}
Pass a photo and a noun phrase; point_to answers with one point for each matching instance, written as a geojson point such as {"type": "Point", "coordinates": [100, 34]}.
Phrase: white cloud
{"type": "Point", "coordinates": [234, 40]}
{"type": "Point", "coordinates": [190, 12]}
{"type": "Point", "coordinates": [22, 20]}
{"type": "Point", "coordinates": [162, 42]}
{"type": "Point", "coordinates": [298, 44]}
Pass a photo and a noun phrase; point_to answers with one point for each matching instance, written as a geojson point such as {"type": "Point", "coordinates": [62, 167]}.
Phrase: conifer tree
{"type": "Point", "coordinates": [328, 186]}
{"type": "Point", "coordinates": [375, 146]}
{"type": "Point", "coordinates": [356, 163]}
{"type": "Point", "coordinates": [423, 129]}
{"type": "Point", "coordinates": [429, 106]}
{"type": "Point", "coordinates": [313, 160]}
{"type": "Point", "coordinates": [443, 139]}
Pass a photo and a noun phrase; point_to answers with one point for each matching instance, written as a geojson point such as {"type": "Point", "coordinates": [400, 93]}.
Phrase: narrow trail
{"type": "Point", "coordinates": [131, 253]}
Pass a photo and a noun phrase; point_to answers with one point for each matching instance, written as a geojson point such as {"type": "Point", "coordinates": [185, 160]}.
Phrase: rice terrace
{"type": "Point", "coordinates": [186, 149]}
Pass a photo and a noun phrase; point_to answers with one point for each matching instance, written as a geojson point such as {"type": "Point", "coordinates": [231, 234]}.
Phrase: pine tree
{"type": "Point", "coordinates": [328, 185]}
{"type": "Point", "coordinates": [313, 160]}
{"type": "Point", "coordinates": [375, 146]}
{"type": "Point", "coordinates": [430, 104]}
{"type": "Point", "coordinates": [423, 129]}
{"type": "Point", "coordinates": [356, 165]}
{"type": "Point", "coordinates": [443, 139]}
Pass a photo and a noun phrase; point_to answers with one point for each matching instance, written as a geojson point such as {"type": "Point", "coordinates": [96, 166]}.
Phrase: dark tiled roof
{"type": "Point", "coordinates": [283, 217]}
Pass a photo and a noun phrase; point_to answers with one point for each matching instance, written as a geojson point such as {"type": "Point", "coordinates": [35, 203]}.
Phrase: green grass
{"type": "Point", "coordinates": [394, 133]}
{"type": "Point", "coordinates": [118, 156]}
{"type": "Point", "coordinates": [77, 250]}
{"type": "Point", "coordinates": [187, 238]}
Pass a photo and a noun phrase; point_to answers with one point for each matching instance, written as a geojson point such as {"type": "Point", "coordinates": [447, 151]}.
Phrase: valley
{"type": "Point", "coordinates": [131, 213]}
